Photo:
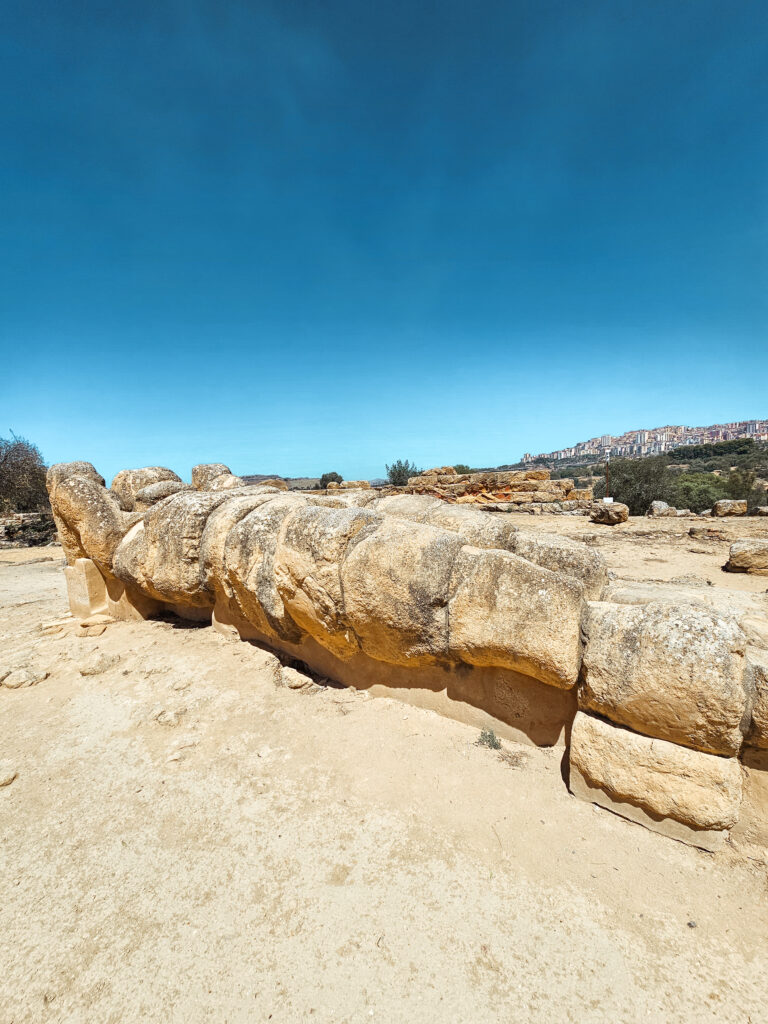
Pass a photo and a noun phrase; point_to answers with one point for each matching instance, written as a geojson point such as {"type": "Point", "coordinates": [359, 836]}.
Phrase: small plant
{"type": "Point", "coordinates": [488, 738]}
{"type": "Point", "coordinates": [461, 468]}
{"type": "Point", "coordinates": [400, 472]}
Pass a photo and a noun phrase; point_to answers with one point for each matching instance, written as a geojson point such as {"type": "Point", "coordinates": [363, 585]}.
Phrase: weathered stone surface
{"type": "Point", "coordinates": [477, 528]}
{"type": "Point", "coordinates": [761, 510]}
{"type": "Point", "coordinates": [152, 493]}
{"type": "Point", "coordinates": [86, 588]}
{"type": "Point", "coordinates": [507, 612]}
{"type": "Point", "coordinates": [396, 581]}
{"type": "Point", "coordinates": [8, 773]}
{"type": "Point", "coordinates": [161, 554]}
{"type": "Point", "coordinates": [729, 508]}
{"type": "Point", "coordinates": [97, 662]}
{"type": "Point", "coordinates": [307, 569]}
{"type": "Point", "coordinates": [226, 482]}
{"type": "Point", "coordinates": [661, 780]}
{"type": "Point", "coordinates": [128, 482]}
{"type": "Point", "coordinates": [757, 668]}
{"type": "Point", "coordinates": [354, 485]}
{"type": "Point", "coordinates": [749, 555]}
{"type": "Point", "coordinates": [609, 513]}
{"type": "Point", "coordinates": [92, 522]}
{"type": "Point", "coordinates": [247, 577]}
{"type": "Point", "coordinates": [204, 474]}
{"type": "Point", "coordinates": [676, 673]}
{"type": "Point", "coordinates": [20, 677]}
{"type": "Point", "coordinates": [660, 509]}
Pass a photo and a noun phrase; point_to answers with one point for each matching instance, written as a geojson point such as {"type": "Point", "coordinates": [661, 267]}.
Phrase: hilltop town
{"type": "Point", "coordinates": [635, 443]}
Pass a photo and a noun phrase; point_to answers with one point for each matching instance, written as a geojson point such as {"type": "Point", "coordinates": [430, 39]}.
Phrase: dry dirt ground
{"type": "Point", "coordinates": [187, 841]}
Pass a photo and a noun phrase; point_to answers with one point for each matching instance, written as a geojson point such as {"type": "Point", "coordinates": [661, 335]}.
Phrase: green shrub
{"type": "Point", "coordinates": [401, 471]}
{"type": "Point", "coordinates": [328, 478]}
{"type": "Point", "coordinates": [461, 467]}
{"type": "Point", "coordinates": [488, 738]}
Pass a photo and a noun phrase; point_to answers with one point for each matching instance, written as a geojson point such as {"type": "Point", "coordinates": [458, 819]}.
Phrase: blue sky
{"type": "Point", "coordinates": [298, 237]}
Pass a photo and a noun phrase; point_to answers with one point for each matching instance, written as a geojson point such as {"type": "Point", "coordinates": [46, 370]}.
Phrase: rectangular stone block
{"type": "Point", "coordinates": [86, 589]}
{"type": "Point", "coordinates": [682, 793]}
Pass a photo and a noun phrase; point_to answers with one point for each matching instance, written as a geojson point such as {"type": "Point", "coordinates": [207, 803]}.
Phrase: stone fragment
{"type": "Point", "coordinates": [660, 509]}
{"type": "Point", "coordinates": [749, 555]}
{"type": "Point", "coordinates": [8, 772]}
{"type": "Point", "coordinates": [19, 677]}
{"type": "Point", "coordinates": [609, 513]}
{"type": "Point", "coordinates": [97, 629]}
{"type": "Point", "coordinates": [204, 474]}
{"type": "Point", "coordinates": [674, 672]}
{"type": "Point", "coordinates": [294, 679]}
{"type": "Point", "coordinates": [680, 792]}
{"type": "Point", "coordinates": [96, 663]}
{"type": "Point", "coordinates": [86, 588]}
{"type": "Point", "coordinates": [761, 510]}
{"type": "Point", "coordinates": [727, 507]}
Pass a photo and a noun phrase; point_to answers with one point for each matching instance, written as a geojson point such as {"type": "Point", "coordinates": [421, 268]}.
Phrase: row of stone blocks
{"type": "Point", "coordinates": [512, 487]}
{"type": "Point", "coordinates": [664, 704]}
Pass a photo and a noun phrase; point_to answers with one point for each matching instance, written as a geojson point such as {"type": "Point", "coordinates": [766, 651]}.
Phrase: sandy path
{"type": "Point", "coordinates": [186, 841]}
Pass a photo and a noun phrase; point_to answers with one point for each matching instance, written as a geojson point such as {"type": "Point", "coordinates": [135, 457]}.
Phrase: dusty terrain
{"type": "Point", "coordinates": [186, 840]}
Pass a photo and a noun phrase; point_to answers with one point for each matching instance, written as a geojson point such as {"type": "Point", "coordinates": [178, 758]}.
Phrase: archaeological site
{"type": "Point", "coordinates": [656, 692]}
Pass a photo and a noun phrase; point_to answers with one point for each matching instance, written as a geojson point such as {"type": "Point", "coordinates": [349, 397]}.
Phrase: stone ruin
{"type": "Point", "coordinates": [660, 697]}
{"type": "Point", "coordinates": [516, 490]}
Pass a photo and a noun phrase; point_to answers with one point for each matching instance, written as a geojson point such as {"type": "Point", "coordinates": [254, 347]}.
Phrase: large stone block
{"type": "Point", "coordinates": [396, 582]}
{"type": "Point", "coordinates": [675, 672]}
{"type": "Point", "coordinates": [727, 507]}
{"type": "Point", "coordinates": [508, 612]}
{"type": "Point", "coordinates": [683, 793]}
{"type": "Point", "coordinates": [749, 555]}
{"type": "Point", "coordinates": [205, 473]}
{"type": "Point", "coordinates": [128, 482]}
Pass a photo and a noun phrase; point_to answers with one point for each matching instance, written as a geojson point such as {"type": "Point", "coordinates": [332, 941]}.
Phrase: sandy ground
{"type": "Point", "coordinates": [188, 841]}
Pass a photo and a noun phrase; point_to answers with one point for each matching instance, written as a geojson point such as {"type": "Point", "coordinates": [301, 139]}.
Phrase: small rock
{"type": "Point", "coordinates": [295, 680]}
{"type": "Point", "coordinates": [23, 677]}
{"type": "Point", "coordinates": [96, 663]}
{"type": "Point", "coordinates": [8, 773]}
{"type": "Point", "coordinates": [99, 619]}
{"type": "Point", "coordinates": [95, 630]}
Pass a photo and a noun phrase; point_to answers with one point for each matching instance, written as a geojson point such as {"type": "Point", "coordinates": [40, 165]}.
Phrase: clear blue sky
{"type": "Point", "coordinates": [308, 236]}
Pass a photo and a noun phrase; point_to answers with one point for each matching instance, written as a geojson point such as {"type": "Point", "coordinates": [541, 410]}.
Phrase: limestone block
{"type": "Point", "coordinates": [610, 513]}
{"type": "Point", "coordinates": [129, 482]}
{"type": "Point", "coordinates": [561, 554]}
{"type": "Point", "coordinates": [660, 510]}
{"type": "Point", "coordinates": [161, 554]}
{"type": "Point", "coordinates": [507, 612]}
{"type": "Point", "coordinates": [757, 668]}
{"type": "Point", "coordinates": [86, 589]}
{"type": "Point", "coordinates": [729, 508]}
{"type": "Point", "coordinates": [675, 672]}
{"type": "Point", "coordinates": [680, 792]}
{"type": "Point", "coordinates": [204, 474]}
{"type": "Point", "coordinates": [396, 582]}
{"type": "Point", "coordinates": [226, 482]}
{"type": "Point", "coordinates": [152, 493]}
{"type": "Point", "coordinates": [307, 566]}
{"type": "Point", "coordinates": [749, 556]}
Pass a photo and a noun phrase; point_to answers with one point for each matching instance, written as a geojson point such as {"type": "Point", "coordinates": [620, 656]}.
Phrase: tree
{"type": "Point", "coordinates": [22, 476]}
{"type": "Point", "coordinates": [638, 482]}
{"type": "Point", "coordinates": [328, 478]}
{"type": "Point", "coordinates": [462, 468]}
{"type": "Point", "coordinates": [401, 471]}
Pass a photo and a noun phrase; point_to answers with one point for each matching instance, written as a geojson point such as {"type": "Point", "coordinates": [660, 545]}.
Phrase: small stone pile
{"type": "Point", "coordinates": [515, 490]}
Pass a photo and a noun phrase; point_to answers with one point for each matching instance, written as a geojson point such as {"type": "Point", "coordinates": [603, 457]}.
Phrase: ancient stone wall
{"type": "Point", "coordinates": [662, 698]}
{"type": "Point", "coordinates": [518, 490]}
